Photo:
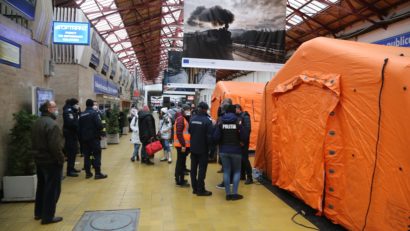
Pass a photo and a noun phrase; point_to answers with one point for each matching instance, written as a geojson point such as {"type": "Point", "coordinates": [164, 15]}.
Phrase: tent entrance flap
{"type": "Point", "coordinates": [302, 107]}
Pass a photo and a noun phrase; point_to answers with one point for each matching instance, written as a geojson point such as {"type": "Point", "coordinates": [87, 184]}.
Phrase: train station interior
{"type": "Point", "coordinates": [322, 92]}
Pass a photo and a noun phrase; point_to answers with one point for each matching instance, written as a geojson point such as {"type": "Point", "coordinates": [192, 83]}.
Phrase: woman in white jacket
{"type": "Point", "coordinates": [165, 128]}
{"type": "Point", "coordinates": [135, 137]}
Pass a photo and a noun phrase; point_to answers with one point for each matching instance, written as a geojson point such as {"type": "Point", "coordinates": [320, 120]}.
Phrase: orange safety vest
{"type": "Point", "coordinates": [186, 135]}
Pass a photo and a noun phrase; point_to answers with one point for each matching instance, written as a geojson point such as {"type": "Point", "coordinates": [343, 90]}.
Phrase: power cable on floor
{"type": "Point", "coordinates": [377, 144]}
{"type": "Point", "coordinates": [305, 226]}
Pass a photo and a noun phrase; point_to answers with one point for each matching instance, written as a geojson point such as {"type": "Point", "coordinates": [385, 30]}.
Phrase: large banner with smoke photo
{"type": "Point", "coordinates": [177, 78]}
{"type": "Point", "coordinates": [234, 34]}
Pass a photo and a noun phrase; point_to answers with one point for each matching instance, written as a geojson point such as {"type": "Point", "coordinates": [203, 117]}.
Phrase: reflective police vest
{"type": "Point", "coordinates": [186, 135]}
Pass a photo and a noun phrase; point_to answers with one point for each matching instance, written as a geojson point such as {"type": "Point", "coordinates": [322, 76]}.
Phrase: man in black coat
{"type": "Point", "coordinates": [70, 131]}
{"type": "Point", "coordinates": [200, 128]}
{"type": "Point", "coordinates": [90, 136]}
{"type": "Point", "coordinates": [47, 145]}
{"type": "Point", "coordinates": [146, 125]}
{"type": "Point", "coordinates": [246, 168]}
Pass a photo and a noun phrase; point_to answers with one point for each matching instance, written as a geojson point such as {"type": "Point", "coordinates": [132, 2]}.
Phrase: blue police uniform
{"type": "Point", "coordinates": [70, 131]}
{"type": "Point", "coordinates": [200, 128]}
{"type": "Point", "coordinates": [90, 133]}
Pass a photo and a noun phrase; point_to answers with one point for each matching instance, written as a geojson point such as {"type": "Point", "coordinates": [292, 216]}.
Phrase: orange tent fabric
{"type": "Point", "coordinates": [248, 95]}
{"type": "Point", "coordinates": [337, 136]}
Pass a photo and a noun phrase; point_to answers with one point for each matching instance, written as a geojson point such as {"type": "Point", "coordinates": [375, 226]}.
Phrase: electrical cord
{"type": "Point", "coordinates": [305, 226]}
{"type": "Point", "coordinates": [377, 144]}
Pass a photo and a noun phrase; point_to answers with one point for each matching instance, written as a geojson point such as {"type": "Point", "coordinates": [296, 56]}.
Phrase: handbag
{"type": "Point", "coordinates": [153, 147]}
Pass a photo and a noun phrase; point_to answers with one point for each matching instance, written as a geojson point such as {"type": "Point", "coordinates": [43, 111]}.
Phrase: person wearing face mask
{"type": "Point", "coordinates": [70, 131]}
{"type": "Point", "coordinates": [47, 149]}
{"type": "Point", "coordinates": [182, 143]}
{"type": "Point", "coordinates": [90, 128]}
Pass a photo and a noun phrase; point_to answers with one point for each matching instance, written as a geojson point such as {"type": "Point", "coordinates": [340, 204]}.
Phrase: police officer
{"type": "Point", "coordinates": [70, 131]}
{"type": "Point", "coordinates": [90, 135]}
{"type": "Point", "coordinates": [200, 128]}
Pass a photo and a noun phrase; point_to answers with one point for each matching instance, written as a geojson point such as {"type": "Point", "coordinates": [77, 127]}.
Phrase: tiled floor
{"type": "Point", "coordinates": [164, 207]}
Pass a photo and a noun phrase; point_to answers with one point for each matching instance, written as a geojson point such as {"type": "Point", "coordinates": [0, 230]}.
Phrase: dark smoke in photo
{"type": "Point", "coordinates": [216, 15]}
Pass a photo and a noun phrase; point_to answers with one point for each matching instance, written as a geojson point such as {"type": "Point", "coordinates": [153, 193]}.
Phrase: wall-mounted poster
{"type": "Point", "coordinates": [10, 52]}
{"type": "Point", "coordinates": [106, 64]}
{"type": "Point", "coordinates": [27, 8]}
{"type": "Point", "coordinates": [42, 95]}
{"type": "Point", "coordinates": [113, 66]}
{"type": "Point", "coordinates": [96, 49]}
{"type": "Point", "coordinates": [234, 34]}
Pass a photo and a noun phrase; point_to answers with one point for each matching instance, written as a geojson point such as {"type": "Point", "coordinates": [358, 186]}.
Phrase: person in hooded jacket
{"type": "Point", "coordinates": [146, 125]}
{"type": "Point", "coordinates": [230, 135]}
{"type": "Point", "coordinates": [165, 128]}
{"type": "Point", "coordinates": [70, 132]}
{"type": "Point", "coordinates": [135, 137]}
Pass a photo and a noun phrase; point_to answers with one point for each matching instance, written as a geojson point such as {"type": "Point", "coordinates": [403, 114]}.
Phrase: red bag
{"type": "Point", "coordinates": [153, 147]}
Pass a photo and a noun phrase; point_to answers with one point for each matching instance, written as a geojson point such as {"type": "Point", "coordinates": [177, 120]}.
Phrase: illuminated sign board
{"type": "Point", "coordinates": [73, 33]}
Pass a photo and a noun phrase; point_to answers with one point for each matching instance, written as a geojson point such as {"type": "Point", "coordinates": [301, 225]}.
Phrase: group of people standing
{"type": "Point", "coordinates": [194, 133]}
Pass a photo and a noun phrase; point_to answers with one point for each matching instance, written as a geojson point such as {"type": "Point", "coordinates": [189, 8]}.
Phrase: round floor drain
{"type": "Point", "coordinates": [111, 222]}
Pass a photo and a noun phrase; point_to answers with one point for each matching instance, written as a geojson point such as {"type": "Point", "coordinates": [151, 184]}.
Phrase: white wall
{"type": "Point", "coordinates": [256, 77]}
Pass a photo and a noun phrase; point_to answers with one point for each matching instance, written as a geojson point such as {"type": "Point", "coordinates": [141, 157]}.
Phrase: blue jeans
{"type": "Point", "coordinates": [165, 145]}
{"type": "Point", "coordinates": [136, 150]}
{"type": "Point", "coordinates": [231, 163]}
{"type": "Point", "coordinates": [144, 154]}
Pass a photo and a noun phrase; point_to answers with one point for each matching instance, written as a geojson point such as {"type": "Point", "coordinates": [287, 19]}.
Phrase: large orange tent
{"type": "Point", "coordinates": [335, 131]}
{"type": "Point", "coordinates": [248, 95]}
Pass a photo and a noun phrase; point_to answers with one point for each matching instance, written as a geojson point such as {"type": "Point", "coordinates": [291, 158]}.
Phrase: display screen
{"type": "Point", "coordinates": [73, 33]}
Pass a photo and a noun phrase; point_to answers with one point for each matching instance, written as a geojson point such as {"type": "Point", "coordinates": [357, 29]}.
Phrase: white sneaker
{"type": "Point", "coordinates": [169, 161]}
{"type": "Point", "coordinates": [163, 159]}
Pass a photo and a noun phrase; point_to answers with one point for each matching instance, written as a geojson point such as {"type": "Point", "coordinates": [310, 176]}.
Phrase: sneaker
{"type": "Point", "coordinates": [169, 160]}
{"type": "Point", "coordinates": [229, 197]}
{"type": "Point", "coordinates": [204, 193]}
{"type": "Point", "coordinates": [163, 159]}
{"type": "Point", "coordinates": [235, 197]}
{"type": "Point", "coordinates": [132, 159]}
{"type": "Point", "coordinates": [220, 186]}
{"type": "Point", "coordinates": [249, 181]}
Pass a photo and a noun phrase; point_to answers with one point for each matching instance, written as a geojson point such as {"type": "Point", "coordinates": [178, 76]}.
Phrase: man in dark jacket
{"type": "Point", "coordinates": [47, 144]}
{"type": "Point", "coordinates": [90, 136]}
{"type": "Point", "coordinates": [146, 126]}
{"type": "Point", "coordinates": [70, 131]}
{"type": "Point", "coordinates": [230, 135]}
{"type": "Point", "coordinates": [246, 168]}
{"type": "Point", "coordinates": [200, 128]}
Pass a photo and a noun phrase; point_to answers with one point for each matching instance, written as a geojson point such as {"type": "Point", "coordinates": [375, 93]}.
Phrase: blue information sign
{"type": "Point", "coordinates": [25, 7]}
{"type": "Point", "coordinates": [74, 33]}
{"type": "Point", "coordinates": [103, 86]}
{"type": "Point", "coordinates": [401, 40]}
